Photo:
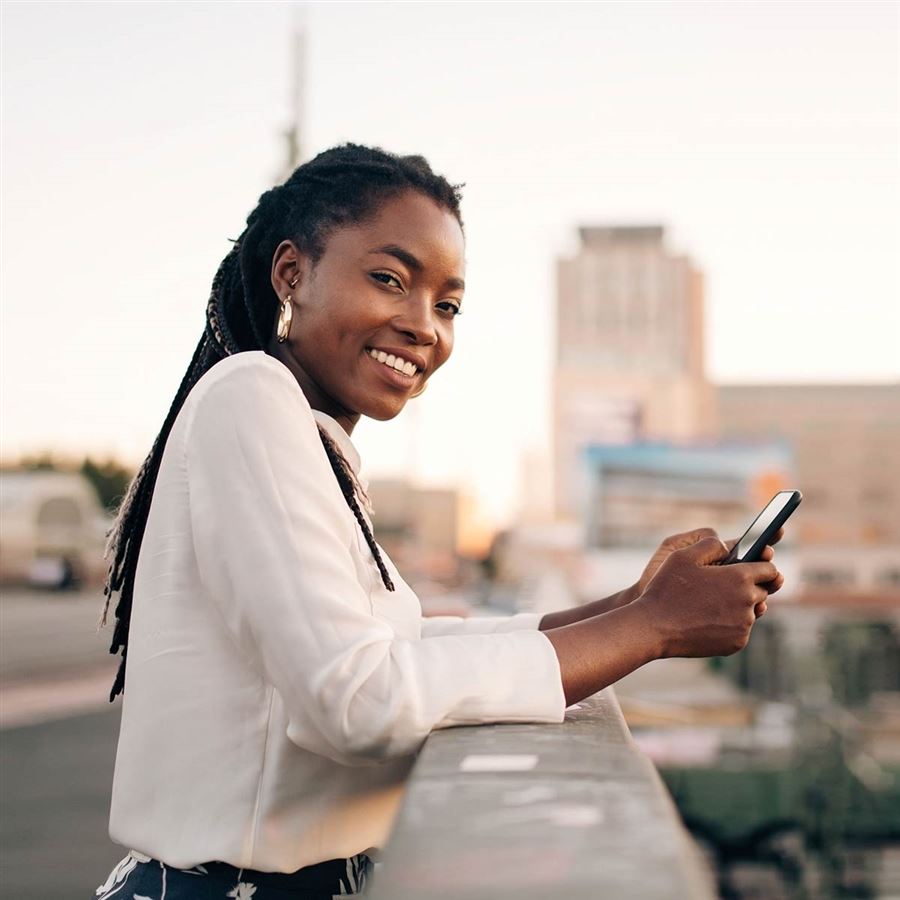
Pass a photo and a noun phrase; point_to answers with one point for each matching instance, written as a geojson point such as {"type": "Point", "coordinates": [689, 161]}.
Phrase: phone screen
{"type": "Point", "coordinates": [762, 522]}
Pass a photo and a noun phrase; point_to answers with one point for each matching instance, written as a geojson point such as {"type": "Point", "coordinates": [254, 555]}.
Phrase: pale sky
{"type": "Point", "coordinates": [136, 137]}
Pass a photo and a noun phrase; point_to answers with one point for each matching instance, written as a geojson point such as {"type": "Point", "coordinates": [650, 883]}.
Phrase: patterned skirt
{"type": "Point", "coordinates": [138, 877]}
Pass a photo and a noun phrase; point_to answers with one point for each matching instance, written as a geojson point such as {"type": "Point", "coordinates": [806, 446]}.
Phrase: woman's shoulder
{"type": "Point", "coordinates": [247, 385]}
{"type": "Point", "coordinates": [249, 372]}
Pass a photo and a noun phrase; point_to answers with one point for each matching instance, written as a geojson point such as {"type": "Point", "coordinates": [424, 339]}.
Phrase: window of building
{"type": "Point", "coordinates": [889, 577]}
{"type": "Point", "coordinates": [828, 577]}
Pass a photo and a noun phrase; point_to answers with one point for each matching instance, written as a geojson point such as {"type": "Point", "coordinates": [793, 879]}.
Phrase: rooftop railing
{"type": "Point", "coordinates": [540, 811]}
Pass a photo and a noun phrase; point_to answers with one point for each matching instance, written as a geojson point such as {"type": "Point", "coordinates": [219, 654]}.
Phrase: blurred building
{"type": "Point", "coordinates": [846, 441]}
{"type": "Point", "coordinates": [846, 444]}
{"type": "Point", "coordinates": [418, 528]}
{"type": "Point", "coordinates": [535, 495]}
{"type": "Point", "coordinates": [629, 350]}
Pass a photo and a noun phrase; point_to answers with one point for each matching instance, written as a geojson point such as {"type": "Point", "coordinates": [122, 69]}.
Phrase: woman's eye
{"type": "Point", "coordinates": [447, 306]}
{"type": "Point", "coordinates": [388, 278]}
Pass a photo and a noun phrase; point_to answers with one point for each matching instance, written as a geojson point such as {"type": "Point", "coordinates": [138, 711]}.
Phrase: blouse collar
{"type": "Point", "coordinates": [342, 439]}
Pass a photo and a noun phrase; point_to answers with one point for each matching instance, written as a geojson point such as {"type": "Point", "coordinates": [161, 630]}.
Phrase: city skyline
{"type": "Point", "coordinates": [123, 178]}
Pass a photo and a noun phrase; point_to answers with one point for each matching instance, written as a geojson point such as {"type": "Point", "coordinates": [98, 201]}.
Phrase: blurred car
{"type": "Point", "coordinates": [52, 530]}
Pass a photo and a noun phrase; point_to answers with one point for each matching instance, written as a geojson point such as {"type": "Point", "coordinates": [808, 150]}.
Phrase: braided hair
{"type": "Point", "coordinates": [342, 186]}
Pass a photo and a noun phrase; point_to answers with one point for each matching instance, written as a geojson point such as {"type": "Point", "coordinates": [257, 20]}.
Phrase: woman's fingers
{"type": "Point", "coordinates": [760, 572]}
{"type": "Point", "coordinates": [776, 584]}
{"type": "Point", "coordinates": [768, 554]}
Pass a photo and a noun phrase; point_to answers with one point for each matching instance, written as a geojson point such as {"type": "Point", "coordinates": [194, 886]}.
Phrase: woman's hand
{"type": "Point", "coordinates": [699, 608]}
{"type": "Point", "coordinates": [688, 606]}
{"type": "Point", "coordinates": [668, 546]}
{"type": "Point", "coordinates": [688, 539]}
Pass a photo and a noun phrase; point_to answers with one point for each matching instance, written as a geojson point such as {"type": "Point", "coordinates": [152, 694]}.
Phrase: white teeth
{"type": "Point", "coordinates": [395, 362]}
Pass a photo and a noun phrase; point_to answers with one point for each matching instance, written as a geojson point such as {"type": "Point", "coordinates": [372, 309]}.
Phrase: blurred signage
{"type": "Point", "coordinates": [638, 493]}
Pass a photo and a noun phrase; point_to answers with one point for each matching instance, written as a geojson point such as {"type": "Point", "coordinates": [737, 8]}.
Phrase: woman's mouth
{"type": "Point", "coordinates": [396, 370]}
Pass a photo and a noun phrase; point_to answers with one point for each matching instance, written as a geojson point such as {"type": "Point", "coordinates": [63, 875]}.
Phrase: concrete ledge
{"type": "Point", "coordinates": [539, 811]}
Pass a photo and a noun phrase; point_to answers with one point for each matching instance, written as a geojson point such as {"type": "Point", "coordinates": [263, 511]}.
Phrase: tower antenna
{"type": "Point", "coordinates": [295, 149]}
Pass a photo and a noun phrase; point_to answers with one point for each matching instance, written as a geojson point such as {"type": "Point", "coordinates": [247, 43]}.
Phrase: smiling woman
{"type": "Point", "coordinates": [337, 301]}
{"type": "Point", "coordinates": [280, 674]}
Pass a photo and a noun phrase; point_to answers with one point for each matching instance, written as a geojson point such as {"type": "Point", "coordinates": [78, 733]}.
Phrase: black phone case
{"type": "Point", "coordinates": [753, 553]}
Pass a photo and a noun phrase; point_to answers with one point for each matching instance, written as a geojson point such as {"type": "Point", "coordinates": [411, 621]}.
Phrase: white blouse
{"type": "Point", "coordinates": [276, 692]}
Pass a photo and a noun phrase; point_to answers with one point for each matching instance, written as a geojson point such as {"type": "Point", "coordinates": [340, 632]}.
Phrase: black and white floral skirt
{"type": "Point", "coordinates": [138, 877]}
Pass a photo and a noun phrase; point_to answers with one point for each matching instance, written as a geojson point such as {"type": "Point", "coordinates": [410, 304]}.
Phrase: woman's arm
{"type": "Point", "coordinates": [624, 597]}
{"type": "Point", "coordinates": [588, 610]}
{"type": "Point", "coordinates": [596, 652]}
{"type": "Point", "coordinates": [691, 607]}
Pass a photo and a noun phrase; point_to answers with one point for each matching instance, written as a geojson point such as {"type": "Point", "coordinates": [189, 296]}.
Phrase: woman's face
{"type": "Point", "coordinates": [391, 285]}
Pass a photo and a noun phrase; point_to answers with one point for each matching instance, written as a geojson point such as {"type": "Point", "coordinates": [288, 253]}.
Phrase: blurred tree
{"type": "Point", "coordinates": [43, 462]}
{"type": "Point", "coordinates": [862, 658]}
{"type": "Point", "coordinates": [763, 667]}
{"type": "Point", "coordinates": [110, 479]}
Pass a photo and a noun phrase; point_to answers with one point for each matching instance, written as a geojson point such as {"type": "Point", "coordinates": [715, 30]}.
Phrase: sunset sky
{"type": "Point", "coordinates": [136, 137]}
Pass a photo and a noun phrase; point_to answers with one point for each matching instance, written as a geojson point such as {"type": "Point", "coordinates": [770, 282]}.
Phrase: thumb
{"type": "Point", "coordinates": [706, 552]}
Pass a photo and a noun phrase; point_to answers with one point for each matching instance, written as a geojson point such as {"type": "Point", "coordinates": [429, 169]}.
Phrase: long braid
{"type": "Point", "coordinates": [341, 186]}
{"type": "Point", "coordinates": [244, 277]}
{"type": "Point", "coordinates": [216, 320]}
{"type": "Point", "coordinates": [349, 486]}
{"type": "Point", "coordinates": [128, 533]}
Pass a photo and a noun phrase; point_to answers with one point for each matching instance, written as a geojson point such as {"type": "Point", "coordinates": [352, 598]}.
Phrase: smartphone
{"type": "Point", "coordinates": [764, 527]}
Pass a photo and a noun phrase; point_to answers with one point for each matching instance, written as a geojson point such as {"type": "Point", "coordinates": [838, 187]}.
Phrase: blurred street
{"type": "Point", "coordinates": [55, 779]}
{"type": "Point", "coordinates": [47, 632]}
{"type": "Point", "coordinates": [57, 747]}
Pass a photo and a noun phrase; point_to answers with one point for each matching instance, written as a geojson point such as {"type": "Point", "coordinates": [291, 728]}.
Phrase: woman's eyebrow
{"type": "Point", "coordinates": [415, 264]}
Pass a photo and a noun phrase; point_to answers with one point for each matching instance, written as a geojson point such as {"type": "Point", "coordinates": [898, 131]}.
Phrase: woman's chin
{"type": "Point", "coordinates": [384, 412]}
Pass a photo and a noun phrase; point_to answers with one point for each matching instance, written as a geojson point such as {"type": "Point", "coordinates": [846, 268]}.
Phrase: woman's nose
{"type": "Point", "coordinates": [418, 321]}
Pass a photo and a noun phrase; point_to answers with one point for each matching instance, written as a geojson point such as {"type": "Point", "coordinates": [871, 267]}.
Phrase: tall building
{"type": "Point", "coordinates": [629, 351]}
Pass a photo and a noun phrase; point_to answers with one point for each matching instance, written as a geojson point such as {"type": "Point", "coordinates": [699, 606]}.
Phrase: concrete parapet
{"type": "Point", "coordinates": [539, 811]}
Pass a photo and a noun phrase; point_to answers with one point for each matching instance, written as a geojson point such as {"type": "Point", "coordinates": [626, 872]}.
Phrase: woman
{"type": "Point", "coordinates": [280, 674]}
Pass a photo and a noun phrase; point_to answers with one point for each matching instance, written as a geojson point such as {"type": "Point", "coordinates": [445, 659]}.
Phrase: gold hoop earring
{"type": "Point", "coordinates": [285, 314]}
{"type": "Point", "coordinates": [419, 393]}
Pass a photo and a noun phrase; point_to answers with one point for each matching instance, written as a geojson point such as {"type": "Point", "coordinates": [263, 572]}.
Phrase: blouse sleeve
{"type": "Point", "coordinates": [272, 539]}
{"type": "Point", "coordinates": [438, 625]}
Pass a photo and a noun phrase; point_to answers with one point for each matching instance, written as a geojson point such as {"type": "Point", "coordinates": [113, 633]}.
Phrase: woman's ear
{"type": "Point", "coordinates": [288, 267]}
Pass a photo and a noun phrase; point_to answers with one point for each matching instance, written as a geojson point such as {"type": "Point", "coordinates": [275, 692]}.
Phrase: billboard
{"type": "Point", "coordinates": [637, 494]}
